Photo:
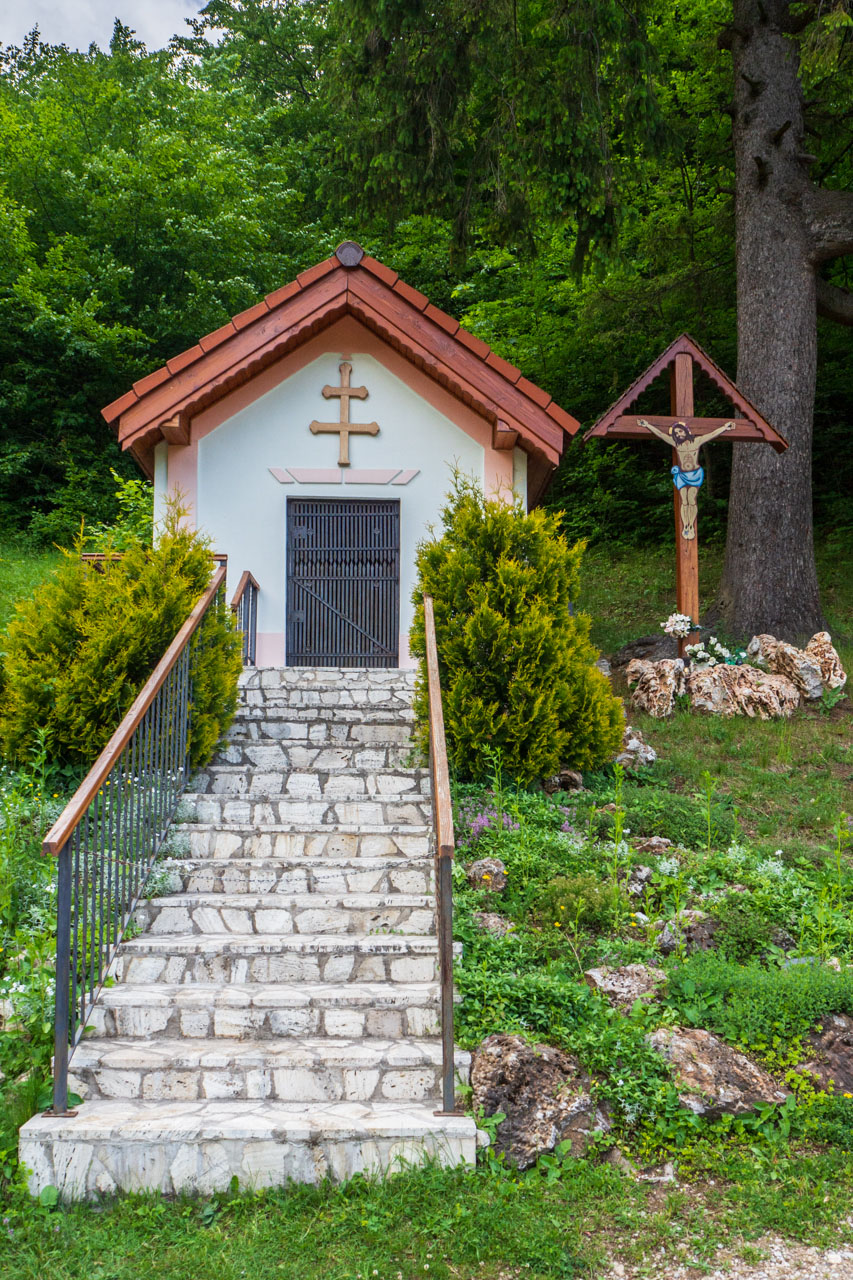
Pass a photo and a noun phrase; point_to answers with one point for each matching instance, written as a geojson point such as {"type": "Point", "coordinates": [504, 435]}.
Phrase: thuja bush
{"type": "Point", "coordinates": [79, 650]}
{"type": "Point", "coordinates": [517, 665]}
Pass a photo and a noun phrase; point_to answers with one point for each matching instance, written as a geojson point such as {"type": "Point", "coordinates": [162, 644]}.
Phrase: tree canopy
{"type": "Point", "coordinates": [560, 177]}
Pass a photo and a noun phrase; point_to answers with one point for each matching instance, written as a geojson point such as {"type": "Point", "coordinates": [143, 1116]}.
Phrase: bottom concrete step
{"type": "Point", "coordinates": [199, 1147]}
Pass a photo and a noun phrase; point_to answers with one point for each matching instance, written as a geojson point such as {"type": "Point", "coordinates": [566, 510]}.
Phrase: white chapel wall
{"type": "Point", "coordinates": [243, 506]}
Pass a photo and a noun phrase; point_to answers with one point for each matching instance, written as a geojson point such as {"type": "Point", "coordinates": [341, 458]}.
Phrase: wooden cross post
{"type": "Point", "coordinates": [343, 426]}
{"type": "Point", "coordinates": [686, 549]}
{"type": "Point", "coordinates": [686, 434]}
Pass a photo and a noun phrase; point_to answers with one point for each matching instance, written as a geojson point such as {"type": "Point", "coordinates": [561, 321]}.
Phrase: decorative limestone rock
{"type": "Point", "coordinates": [652, 844]}
{"type": "Point", "coordinates": [542, 1093]}
{"type": "Point", "coordinates": [800, 667]}
{"type": "Point", "coordinates": [820, 650]}
{"type": "Point", "coordinates": [713, 1079]}
{"type": "Point", "coordinates": [491, 922]}
{"type": "Point", "coordinates": [657, 685]}
{"type": "Point", "coordinates": [635, 752]}
{"type": "Point", "coordinates": [813, 669]}
{"type": "Point", "coordinates": [626, 984]}
{"type": "Point", "coordinates": [761, 650]}
{"type": "Point", "coordinates": [637, 879]}
{"type": "Point", "coordinates": [832, 1050]}
{"type": "Point", "coordinates": [742, 691]}
{"type": "Point", "coordinates": [487, 873]}
{"type": "Point", "coordinates": [565, 780]}
{"type": "Point", "coordinates": [688, 931]}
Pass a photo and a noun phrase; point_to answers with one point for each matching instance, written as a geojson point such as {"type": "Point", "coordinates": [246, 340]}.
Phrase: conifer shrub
{"type": "Point", "coordinates": [80, 649]}
{"type": "Point", "coordinates": [517, 666]}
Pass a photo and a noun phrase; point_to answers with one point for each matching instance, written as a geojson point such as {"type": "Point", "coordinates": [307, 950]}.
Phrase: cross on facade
{"type": "Point", "coordinates": [344, 427]}
{"type": "Point", "coordinates": [686, 433]}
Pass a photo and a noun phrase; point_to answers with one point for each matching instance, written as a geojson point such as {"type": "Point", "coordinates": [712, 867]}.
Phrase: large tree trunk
{"type": "Point", "coordinates": [769, 580]}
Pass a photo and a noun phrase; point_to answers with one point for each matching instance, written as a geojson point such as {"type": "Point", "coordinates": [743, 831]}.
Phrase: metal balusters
{"type": "Point", "coordinates": [245, 606]}
{"type": "Point", "coordinates": [110, 833]}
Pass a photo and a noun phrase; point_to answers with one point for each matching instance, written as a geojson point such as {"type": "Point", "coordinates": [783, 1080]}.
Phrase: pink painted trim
{"type": "Point", "coordinates": [280, 475]}
{"type": "Point", "coordinates": [182, 478]}
{"type": "Point", "coordinates": [315, 475]}
{"type": "Point", "coordinates": [498, 474]}
{"type": "Point", "coordinates": [405, 476]}
{"type": "Point", "coordinates": [270, 649]}
{"type": "Point", "coordinates": [369, 477]}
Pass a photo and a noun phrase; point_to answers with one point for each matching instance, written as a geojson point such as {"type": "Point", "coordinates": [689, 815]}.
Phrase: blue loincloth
{"type": "Point", "coordinates": [687, 479]}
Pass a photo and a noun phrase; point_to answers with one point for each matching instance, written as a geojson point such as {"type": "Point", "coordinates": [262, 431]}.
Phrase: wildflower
{"type": "Point", "coordinates": [486, 875]}
{"type": "Point", "coordinates": [562, 908]}
{"type": "Point", "coordinates": [847, 1095]}
{"type": "Point", "coordinates": [557, 924]}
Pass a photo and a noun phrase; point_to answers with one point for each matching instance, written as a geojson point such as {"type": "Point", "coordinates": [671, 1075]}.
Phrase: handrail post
{"type": "Point", "coordinates": [63, 981]}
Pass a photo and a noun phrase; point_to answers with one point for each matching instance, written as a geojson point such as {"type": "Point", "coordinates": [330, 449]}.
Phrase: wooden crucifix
{"type": "Point", "coordinates": [686, 434]}
{"type": "Point", "coordinates": [346, 428]}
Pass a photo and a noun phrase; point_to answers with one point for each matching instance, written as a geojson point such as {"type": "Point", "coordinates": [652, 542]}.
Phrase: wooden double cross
{"type": "Point", "coordinates": [344, 427]}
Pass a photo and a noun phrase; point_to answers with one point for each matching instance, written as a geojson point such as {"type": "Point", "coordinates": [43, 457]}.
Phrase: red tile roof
{"type": "Point", "coordinates": [348, 283]}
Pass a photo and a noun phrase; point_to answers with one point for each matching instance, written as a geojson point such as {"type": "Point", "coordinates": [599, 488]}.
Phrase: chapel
{"type": "Point", "coordinates": [314, 436]}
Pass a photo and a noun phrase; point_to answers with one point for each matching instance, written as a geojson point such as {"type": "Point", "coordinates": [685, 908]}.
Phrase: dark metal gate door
{"type": "Point", "coordinates": [343, 583]}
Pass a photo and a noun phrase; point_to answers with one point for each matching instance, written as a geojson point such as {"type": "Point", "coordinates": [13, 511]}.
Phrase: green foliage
{"type": "Point", "coordinates": [134, 522]}
{"type": "Point", "coordinates": [742, 933]}
{"type": "Point", "coordinates": [581, 900]}
{"type": "Point", "coordinates": [755, 1006]}
{"type": "Point", "coordinates": [516, 665]}
{"type": "Point", "coordinates": [657, 811]}
{"type": "Point", "coordinates": [79, 650]}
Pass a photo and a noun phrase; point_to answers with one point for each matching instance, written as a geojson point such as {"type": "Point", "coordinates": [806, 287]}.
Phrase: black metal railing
{"type": "Point", "coordinates": [445, 845]}
{"type": "Point", "coordinates": [111, 831]}
{"type": "Point", "coordinates": [245, 606]}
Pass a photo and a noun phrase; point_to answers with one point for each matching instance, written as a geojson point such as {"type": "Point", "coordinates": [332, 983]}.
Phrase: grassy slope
{"type": "Point", "coordinates": [447, 1225]}
{"type": "Point", "coordinates": [789, 779]}
{"type": "Point", "coordinates": [21, 571]}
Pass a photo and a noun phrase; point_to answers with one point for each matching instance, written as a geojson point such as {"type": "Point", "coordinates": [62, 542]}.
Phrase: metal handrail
{"type": "Point", "coordinates": [245, 607]}
{"type": "Point", "coordinates": [445, 845]}
{"type": "Point", "coordinates": [111, 831]}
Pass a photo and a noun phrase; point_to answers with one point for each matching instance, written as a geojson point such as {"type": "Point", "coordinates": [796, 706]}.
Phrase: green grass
{"type": "Point", "coordinates": [789, 779]}
{"type": "Point", "coordinates": [438, 1225]}
{"type": "Point", "coordinates": [21, 569]}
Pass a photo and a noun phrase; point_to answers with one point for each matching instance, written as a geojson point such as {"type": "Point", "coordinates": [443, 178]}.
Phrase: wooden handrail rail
{"type": "Point", "coordinates": [438, 746]}
{"type": "Point", "coordinates": [442, 808]}
{"type": "Point", "coordinates": [106, 761]}
{"type": "Point", "coordinates": [247, 578]}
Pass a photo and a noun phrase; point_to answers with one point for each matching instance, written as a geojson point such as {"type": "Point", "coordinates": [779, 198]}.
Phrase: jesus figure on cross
{"type": "Point", "coordinates": [688, 475]}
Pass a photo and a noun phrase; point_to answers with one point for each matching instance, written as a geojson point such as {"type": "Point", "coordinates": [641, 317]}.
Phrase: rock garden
{"type": "Point", "coordinates": [640, 974]}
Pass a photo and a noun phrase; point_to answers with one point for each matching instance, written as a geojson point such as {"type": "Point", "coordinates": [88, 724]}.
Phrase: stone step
{"type": "Point", "coordinates": [296, 957]}
{"type": "Point", "coordinates": [390, 875]}
{"type": "Point", "coordinates": [250, 1011]}
{"type": "Point", "coordinates": [326, 677]}
{"type": "Point", "coordinates": [256, 782]}
{"type": "Point", "coordinates": [389, 697]}
{"type": "Point", "coordinates": [319, 726]}
{"type": "Point", "coordinates": [286, 810]}
{"type": "Point", "coordinates": [270, 915]}
{"type": "Point", "coordinates": [270, 755]}
{"type": "Point", "coordinates": [297, 1069]}
{"type": "Point", "coordinates": [198, 1147]}
{"type": "Point", "coordinates": [234, 840]}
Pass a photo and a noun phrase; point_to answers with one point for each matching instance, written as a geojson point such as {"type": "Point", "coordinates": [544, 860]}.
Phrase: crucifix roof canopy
{"type": "Point", "coordinates": [618, 423]}
{"type": "Point", "coordinates": [350, 282]}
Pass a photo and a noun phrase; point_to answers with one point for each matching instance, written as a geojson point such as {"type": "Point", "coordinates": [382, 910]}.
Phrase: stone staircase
{"type": "Point", "coordinates": [276, 1015]}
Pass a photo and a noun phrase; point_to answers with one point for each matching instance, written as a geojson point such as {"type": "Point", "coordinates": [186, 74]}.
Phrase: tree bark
{"type": "Point", "coordinates": [783, 224]}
